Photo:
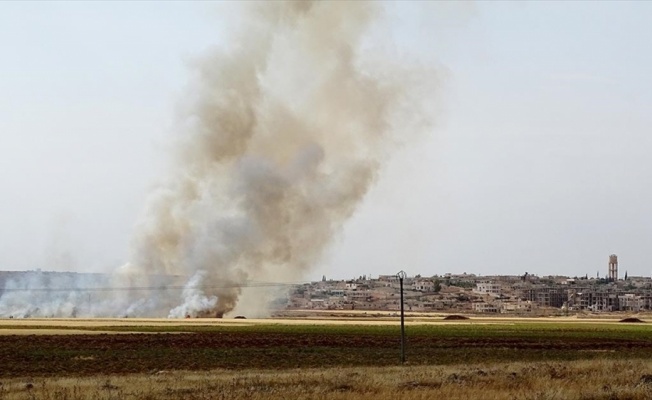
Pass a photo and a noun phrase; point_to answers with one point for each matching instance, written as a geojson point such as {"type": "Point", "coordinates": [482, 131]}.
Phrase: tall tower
{"type": "Point", "coordinates": [613, 267]}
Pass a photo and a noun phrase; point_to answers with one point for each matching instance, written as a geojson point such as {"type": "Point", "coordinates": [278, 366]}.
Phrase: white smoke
{"type": "Point", "coordinates": [286, 131]}
{"type": "Point", "coordinates": [195, 301]}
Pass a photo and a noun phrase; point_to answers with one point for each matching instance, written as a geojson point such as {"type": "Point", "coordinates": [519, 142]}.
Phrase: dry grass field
{"type": "Point", "coordinates": [604, 379]}
{"type": "Point", "coordinates": [325, 357]}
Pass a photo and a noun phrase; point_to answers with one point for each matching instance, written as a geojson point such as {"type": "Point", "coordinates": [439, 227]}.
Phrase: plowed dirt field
{"type": "Point", "coordinates": [281, 347]}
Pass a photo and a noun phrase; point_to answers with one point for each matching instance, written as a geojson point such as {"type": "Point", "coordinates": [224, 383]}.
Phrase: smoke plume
{"type": "Point", "coordinates": [286, 130]}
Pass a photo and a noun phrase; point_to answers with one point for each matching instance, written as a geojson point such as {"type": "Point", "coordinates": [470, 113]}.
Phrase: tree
{"type": "Point", "coordinates": [437, 287]}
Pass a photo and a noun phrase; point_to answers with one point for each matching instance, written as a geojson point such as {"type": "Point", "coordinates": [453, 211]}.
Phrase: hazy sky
{"type": "Point", "coordinates": [540, 161]}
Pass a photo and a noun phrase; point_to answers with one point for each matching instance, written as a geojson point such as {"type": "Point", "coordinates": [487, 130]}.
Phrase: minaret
{"type": "Point", "coordinates": [613, 267]}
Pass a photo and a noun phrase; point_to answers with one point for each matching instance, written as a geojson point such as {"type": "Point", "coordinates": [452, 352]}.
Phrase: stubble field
{"type": "Point", "coordinates": [327, 359]}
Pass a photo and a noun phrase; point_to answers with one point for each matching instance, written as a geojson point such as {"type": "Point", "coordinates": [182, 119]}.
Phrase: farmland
{"type": "Point", "coordinates": [271, 357]}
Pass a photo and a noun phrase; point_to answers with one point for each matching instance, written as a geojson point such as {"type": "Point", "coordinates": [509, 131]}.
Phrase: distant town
{"type": "Point", "coordinates": [468, 293]}
{"type": "Point", "coordinates": [520, 295]}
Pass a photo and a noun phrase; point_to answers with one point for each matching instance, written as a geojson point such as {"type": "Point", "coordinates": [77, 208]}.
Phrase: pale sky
{"type": "Point", "coordinates": [540, 161]}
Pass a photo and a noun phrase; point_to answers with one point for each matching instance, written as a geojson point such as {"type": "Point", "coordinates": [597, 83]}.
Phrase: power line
{"type": "Point", "coordinates": [247, 284]}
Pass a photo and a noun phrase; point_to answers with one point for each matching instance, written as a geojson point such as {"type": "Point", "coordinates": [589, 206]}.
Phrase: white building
{"type": "Point", "coordinates": [485, 308]}
{"type": "Point", "coordinates": [423, 285]}
{"type": "Point", "coordinates": [630, 302]}
{"type": "Point", "coordinates": [490, 288]}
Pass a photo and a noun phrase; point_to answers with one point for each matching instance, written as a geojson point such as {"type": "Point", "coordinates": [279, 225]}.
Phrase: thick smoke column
{"type": "Point", "coordinates": [287, 130]}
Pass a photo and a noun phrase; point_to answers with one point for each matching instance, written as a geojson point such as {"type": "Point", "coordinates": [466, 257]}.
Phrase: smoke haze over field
{"type": "Point", "coordinates": [285, 131]}
{"type": "Point", "coordinates": [538, 163]}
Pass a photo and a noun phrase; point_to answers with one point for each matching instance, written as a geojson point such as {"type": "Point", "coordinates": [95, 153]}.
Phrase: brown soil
{"type": "Point", "coordinates": [129, 353]}
{"type": "Point", "coordinates": [455, 317]}
{"type": "Point", "coordinates": [630, 320]}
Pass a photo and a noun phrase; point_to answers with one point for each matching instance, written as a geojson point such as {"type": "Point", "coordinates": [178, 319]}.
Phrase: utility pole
{"type": "Point", "coordinates": [402, 275]}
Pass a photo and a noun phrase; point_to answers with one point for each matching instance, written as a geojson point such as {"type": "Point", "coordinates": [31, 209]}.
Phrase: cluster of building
{"type": "Point", "coordinates": [464, 293]}
{"type": "Point", "coordinates": [523, 294]}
